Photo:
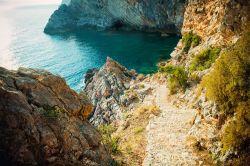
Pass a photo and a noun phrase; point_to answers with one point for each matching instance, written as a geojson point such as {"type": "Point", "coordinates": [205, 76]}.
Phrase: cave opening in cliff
{"type": "Point", "coordinates": [118, 24]}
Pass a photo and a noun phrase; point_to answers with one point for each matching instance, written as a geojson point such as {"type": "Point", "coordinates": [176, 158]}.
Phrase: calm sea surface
{"type": "Point", "coordinates": [23, 43]}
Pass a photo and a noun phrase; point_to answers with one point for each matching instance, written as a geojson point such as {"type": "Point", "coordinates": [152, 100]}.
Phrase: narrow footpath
{"type": "Point", "coordinates": [166, 134]}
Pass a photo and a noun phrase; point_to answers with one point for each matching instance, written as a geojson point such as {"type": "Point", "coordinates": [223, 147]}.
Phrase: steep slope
{"type": "Point", "coordinates": [210, 26]}
{"type": "Point", "coordinates": [160, 15]}
{"type": "Point", "coordinates": [105, 87]}
{"type": "Point", "coordinates": [207, 25]}
{"type": "Point", "coordinates": [42, 122]}
{"type": "Point", "coordinates": [113, 91]}
{"type": "Point", "coordinates": [217, 23]}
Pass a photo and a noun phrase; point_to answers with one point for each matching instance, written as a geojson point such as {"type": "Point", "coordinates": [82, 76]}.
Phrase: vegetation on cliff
{"type": "Point", "coordinates": [190, 40]}
{"type": "Point", "coordinates": [204, 59]}
{"type": "Point", "coordinates": [229, 86]}
{"type": "Point", "coordinates": [177, 77]}
{"type": "Point", "coordinates": [108, 140]}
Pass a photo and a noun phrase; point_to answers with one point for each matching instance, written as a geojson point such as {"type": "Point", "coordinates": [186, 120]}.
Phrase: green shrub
{"type": "Point", "coordinates": [138, 130]}
{"type": "Point", "coordinates": [237, 133]}
{"type": "Point", "coordinates": [204, 59]}
{"type": "Point", "coordinates": [166, 69]}
{"type": "Point", "coordinates": [177, 77]}
{"type": "Point", "coordinates": [114, 145]}
{"type": "Point", "coordinates": [50, 113]}
{"type": "Point", "coordinates": [196, 40]}
{"type": "Point", "coordinates": [190, 40]}
{"type": "Point", "coordinates": [228, 84]}
{"type": "Point", "coordinates": [110, 142]}
{"type": "Point", "coordinates": [141, 86]}
{"type": "Point", "coordinates": [113, 162]}
{"type": "Point", "coordinates": [194, 78]}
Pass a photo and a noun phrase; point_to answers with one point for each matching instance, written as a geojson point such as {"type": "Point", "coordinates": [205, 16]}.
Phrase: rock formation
{"type": "Point", "coordinates": [105, 88]}
{"type": "Point", "coordinates": [160, 15]}
{"type": "Point", "coordinates": [42, 122]}
{"type": "Point", "coordinates": [218, 23]}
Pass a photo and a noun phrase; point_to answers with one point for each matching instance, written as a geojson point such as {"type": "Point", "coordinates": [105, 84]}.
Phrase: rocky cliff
{"type": "Point", "coordinates": [113, 90]}
{"type": "Point", "coordinates": [160, 15]}
{"type": "Point", "coordinates": [217, 23]}
{"type": "Point", "coordinates": [105, 88]}
{"type": "Point", "coordinates": [42, 122]}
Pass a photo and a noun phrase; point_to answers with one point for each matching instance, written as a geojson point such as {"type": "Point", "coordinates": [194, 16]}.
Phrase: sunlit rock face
{"type": "Point", "coordinates": [218, 23]}
{"type": "Point", "coordinates": [152, 15]}
{"type": "Point", "coordinates": [42, 122]}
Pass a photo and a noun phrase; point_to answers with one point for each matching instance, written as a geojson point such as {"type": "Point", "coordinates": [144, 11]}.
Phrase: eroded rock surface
{"type": "Point", "coordinates": [218, 23]}
{"type": "Point", "coordinates": [42, 122]}
{"type": "Point", "coordinates": [163, 15]}
{"type": "Point", "coordinates": [105, 87]}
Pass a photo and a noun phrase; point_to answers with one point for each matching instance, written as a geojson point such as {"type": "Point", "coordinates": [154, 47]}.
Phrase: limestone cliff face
{"type": "Point", "coordinates": [162, 15]}
{"type": "Point", "coordinates": [218, 23]}
{"type": "Point", "coordinates": [42, 122]}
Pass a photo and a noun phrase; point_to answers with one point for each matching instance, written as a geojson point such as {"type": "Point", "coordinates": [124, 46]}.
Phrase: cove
{"type": "Point", "coordinates": [71, 54]}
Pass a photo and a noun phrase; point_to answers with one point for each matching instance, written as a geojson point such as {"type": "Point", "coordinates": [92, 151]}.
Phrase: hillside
{"type": "Point", "coordinates": [193, 111]}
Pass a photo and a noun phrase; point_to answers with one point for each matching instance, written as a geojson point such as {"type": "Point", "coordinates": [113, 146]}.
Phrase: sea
{"type": "Point", "coordinates": [24, 44]}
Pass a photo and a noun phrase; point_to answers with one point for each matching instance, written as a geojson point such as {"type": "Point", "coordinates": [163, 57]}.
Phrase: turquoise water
{"type": "Point", "coordinates": [72, 54]}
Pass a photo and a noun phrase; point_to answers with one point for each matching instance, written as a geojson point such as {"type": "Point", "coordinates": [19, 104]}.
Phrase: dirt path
{"type": "Point", "coordinates": [167, 134]}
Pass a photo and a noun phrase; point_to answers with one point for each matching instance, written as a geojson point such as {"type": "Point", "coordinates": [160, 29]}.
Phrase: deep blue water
{"type": "Point", "coordinates": [72, 54]}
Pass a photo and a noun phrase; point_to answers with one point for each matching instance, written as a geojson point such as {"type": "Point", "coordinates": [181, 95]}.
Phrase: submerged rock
{"type": "Point", "coordinates": [42, 122]}
{"type": "Point", "coordinates": [156, 15]}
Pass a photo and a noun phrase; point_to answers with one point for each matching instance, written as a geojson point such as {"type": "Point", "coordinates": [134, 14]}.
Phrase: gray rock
{"type": "Point", "coordinates": [106, 89]}
{"type": "Point", "coordinates": [163, 15]}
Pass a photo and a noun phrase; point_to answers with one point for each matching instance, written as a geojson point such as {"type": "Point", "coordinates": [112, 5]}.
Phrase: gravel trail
{"type": "Point", "coordinates": [166, 134]}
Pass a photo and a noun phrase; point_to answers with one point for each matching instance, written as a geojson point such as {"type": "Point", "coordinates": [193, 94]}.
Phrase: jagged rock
{"type": "Point", "coordinates": [105, 89]}
{"type": "Point", "coordinates": [163, 15]}
{"type": "Point", "coordinates": [42, 122]}
{"type": "Point", "coordinates": [218, 23]}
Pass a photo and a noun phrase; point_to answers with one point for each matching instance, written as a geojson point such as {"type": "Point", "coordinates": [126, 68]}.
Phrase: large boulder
{"type": "Point", "coordinates": [42, 122]}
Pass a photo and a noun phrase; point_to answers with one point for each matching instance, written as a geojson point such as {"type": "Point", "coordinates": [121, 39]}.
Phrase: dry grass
{"type": "Point", "coordinates": [204, 157]}
{"type": "Point", "coordinates": [132, 139]}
